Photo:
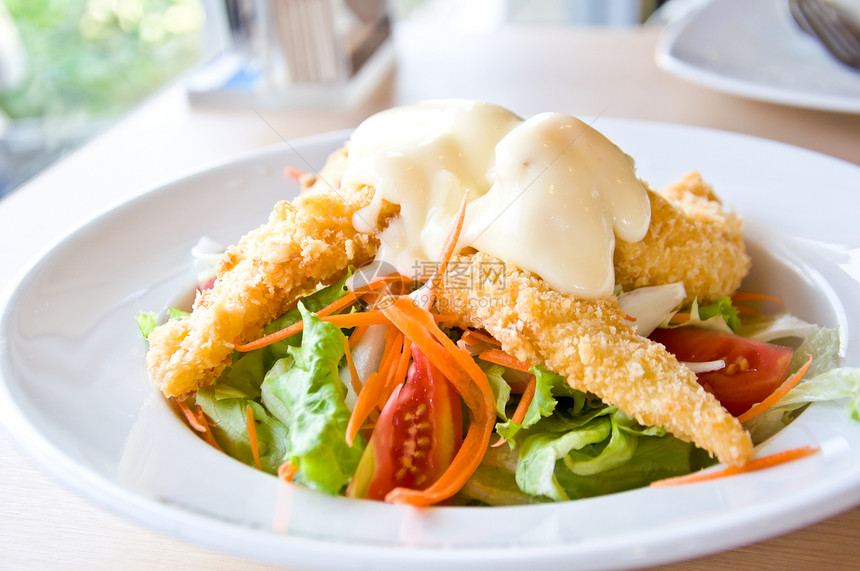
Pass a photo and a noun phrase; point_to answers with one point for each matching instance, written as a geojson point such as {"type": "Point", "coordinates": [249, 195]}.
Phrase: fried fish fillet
{"type": "Point", "coordinates": [691, 239]}
{"type": "Point", "coordinates": [304, 244]}
{"type": "Point", "coordinates": [590, 342]}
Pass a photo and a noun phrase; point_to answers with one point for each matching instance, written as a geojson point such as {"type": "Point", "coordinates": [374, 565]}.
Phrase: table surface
{"type": "Point", "coordinates": [607, 72]}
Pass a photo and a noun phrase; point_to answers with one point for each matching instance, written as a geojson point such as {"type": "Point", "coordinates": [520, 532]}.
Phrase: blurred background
{"type": "Point", "coordinates": [71, 68]}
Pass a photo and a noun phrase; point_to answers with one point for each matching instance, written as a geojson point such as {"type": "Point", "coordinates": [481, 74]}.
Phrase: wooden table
{"type": "Point", "coordinates": [600, 72]}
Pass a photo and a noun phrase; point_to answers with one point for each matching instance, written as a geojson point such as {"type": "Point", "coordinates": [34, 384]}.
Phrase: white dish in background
{"type": "Point", "coordinates": [756, 50]}
{"type": "Point", "coordinates": [75, 393]}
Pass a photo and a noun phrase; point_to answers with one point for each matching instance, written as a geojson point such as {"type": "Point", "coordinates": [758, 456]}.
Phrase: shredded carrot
{"type": "Point", "coordinates": [284, 333]}
{"type": "Point", "coordinates": [339, 304]}
{"type": "Point", "coordinates": [403, 365]}
{"type": "Point", "coordinates": [780, 392]}
{"type": "Point", "coordinates": [746, 310]}
{"type": "Point", "coordinates": [752, 296]}
{"type": "Point", "coordinates": [192, 419]}
{"type": "Point", "coordinates": [680, 318]}
{"type": "Point", "coordinates": [353, 373]}
{"type": "Point", "coordinates": [751, 466]}
{"type": "Point", "coordinates": [252, 435]}
{"type": "Point", "coordinates": [499, 357]}
{"type": "Point", "coordinates": [389, 365]}
{"type": "Point", "coordinates": [525, 401]}
{"type": "Point", "coordinates": [358, 319]}
{"type": "Point", "coordinates": [453, 237]}
{"type": "Point", "coordinates": [363, 405]}
{"type": "Point", "coordinates": [473, 336]}
{"type": "Point", "coordinates": [468, 379]}
{"type": "Point", "coordinates": [287, 471]}
{"type": "Point", "coordinates": [208, 437]}
{"type": "Point", "coordinates": [293, 173]}
{"type": "Point", "coordinates": [375, 389]}
{"type": "Point", "coordinates": [342, 320]}
{"type": "Point", "coordinates": [356, 336]}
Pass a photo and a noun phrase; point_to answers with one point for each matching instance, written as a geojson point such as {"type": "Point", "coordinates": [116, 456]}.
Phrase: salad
{"type": "Point", "coordinates": [440, 386]}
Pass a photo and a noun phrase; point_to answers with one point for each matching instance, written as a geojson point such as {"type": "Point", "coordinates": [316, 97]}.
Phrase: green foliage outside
{"type": "Point", "coordinates": [97, 58]}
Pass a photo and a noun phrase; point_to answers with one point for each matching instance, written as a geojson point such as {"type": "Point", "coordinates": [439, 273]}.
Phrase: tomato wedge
{"type": "Point", "coordinates": [753, 370]}
{"type": "Point", "coordinates": [416, 436]}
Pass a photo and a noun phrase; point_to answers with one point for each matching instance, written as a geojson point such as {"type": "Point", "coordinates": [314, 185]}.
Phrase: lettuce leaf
{"type": "Point", "coordinates": [723, 308]}
{"type": "Point", "coordinates": [655, 458]}
{"type": "Point", "coordinates": [548, 385]}
{"type": "Point", "coordinates": [500, 387]}
{"type": "Point", "coordinates": [824, 345]}
{"type": "Point", "coordinates": [226, 408]}
{"type": "Point", "coordinates": [304, 392]}
{"type": "Point", "coordinates": [538, 453]}
{"type": "Point", "coordinates": [146, 322]}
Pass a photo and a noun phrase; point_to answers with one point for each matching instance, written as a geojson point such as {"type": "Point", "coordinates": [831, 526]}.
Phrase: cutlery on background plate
{"type": "Point", "coordinates": [837, 30]}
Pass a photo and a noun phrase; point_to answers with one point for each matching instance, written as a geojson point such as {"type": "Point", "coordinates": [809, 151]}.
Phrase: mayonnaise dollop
{"type": "Point", "coordinates": [549, 194]}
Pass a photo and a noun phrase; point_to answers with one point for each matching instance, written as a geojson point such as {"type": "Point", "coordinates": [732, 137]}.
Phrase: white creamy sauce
{"type": "Point", "coordinates": [549, 194]}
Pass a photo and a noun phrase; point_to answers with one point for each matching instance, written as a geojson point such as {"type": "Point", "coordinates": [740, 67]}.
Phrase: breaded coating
{"type": "Point", "coordinates": [691, 239]}
{"type": "Point", "coordinates": [304, 244]}
{"type": "Point", "coordinates": [590, 343]}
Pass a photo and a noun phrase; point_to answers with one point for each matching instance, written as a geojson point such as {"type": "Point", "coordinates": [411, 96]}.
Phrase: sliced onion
{"type": "Point", "coordinates": [367, 355]}
{"type": "Point", "coordinates": [650, 306]}
{"type": "Point", "coordinates": [705, 366]}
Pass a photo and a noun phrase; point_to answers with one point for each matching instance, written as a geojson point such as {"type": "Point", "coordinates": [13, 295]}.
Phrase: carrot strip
{"type": "Point", "coordinates": [343, 302]}
{"type": "Point", "coordinates": [403, 365]}
{"type": "Point", "coordinates": [287, 471]}
{"type": "Point", "coordinates": [363, 405]}
{"type": "Point", "coordinates": [746, 310]}
{"type": "Point", "coordinates": [192, 419]}
{"type": "Point", "coordinates": [453, 237]}
{"type": "Point", "coordinates": [499, 357]}
{"type": "Point", "coordinates": [468, 379]}
{"type": "Point", "coordinates": [388, 367]}
{"type": "Point", "coordinates": [353, 373]}
{"type": "Point", "coordinates": [680, 318]}
{"type": "Point", "coordinates": [208, 437]}
{"type": "Point", "coordinates": [752, 296]}
{"type": "Point", "coordinates": [284, 333]}
{"type": "Point", "coordinates": [472, 336]}
{"type": "Point", "coordinates": [356, 336]}
{"type": "Point", "coordinates": [525, 401]}
{"type": "Point", "coordinates": [780, 392]}
{"type": "Point", "coordinates": [252, 435]}
{"type": "Point", "coordinates": [343, 320]}
{"type": "Point", "coordinates": [751, 466]}
{"type": "Point", "coordinates": [373, 391]}
{"type": "Point", "coordinates": [293, 173]}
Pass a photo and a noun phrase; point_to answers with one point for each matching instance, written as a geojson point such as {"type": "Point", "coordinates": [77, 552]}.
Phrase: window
{"type": "Point", "coordinates": [70, 67]}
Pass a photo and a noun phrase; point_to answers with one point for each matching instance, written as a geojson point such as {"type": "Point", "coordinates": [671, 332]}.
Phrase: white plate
{"type": "Point", "coordinates": [755, 50]}
{"type": "Point", "coordinates": [74, 391]}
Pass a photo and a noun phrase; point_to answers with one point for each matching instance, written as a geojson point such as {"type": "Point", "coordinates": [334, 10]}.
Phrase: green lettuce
{"type": "Point", "coordinates": [723, 308]}
{"type": "Point", "coordinates": [226, 408]}
{"type": "Point", "coordinates": [572, 445]}
{"type": "Point", "coordinates": [304, 392]}
{"type": "Point", "coordinates": [500, 387]}
{"type": "Point", "coordinates": [548, 385]}
{"type": "Point", "coordinates": [146, 322]}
